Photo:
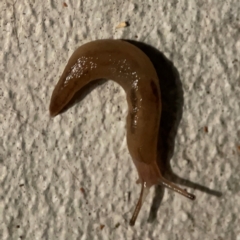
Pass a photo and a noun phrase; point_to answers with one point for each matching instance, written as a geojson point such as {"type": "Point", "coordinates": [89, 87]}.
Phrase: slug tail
{"type": "Point", "coordinates": [143, 195]}
{"type": "Point", "coordinates": [164, 182]}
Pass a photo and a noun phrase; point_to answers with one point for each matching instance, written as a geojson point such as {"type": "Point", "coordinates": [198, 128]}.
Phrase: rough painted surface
{"type": "Point", "coordinates": [71, 177]}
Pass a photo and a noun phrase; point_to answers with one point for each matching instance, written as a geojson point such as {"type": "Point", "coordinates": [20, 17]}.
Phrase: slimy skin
{"type": "Point", "coordinates": [127, 65]}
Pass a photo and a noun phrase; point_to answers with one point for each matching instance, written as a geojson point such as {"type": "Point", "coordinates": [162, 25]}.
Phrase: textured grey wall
{"type": "Point", "coordinates": [67, 177]}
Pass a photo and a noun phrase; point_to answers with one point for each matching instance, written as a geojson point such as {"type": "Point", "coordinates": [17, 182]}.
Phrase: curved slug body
{"type": "Point", "coordinates": [127, 65]}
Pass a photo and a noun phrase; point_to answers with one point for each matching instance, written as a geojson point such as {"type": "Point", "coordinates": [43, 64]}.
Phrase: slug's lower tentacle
{"type": "Point", "coordinates": [143, 195]}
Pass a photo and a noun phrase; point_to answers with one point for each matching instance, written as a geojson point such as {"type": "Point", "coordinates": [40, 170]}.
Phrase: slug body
{"type": "Point", "coordinates": [127, 65]}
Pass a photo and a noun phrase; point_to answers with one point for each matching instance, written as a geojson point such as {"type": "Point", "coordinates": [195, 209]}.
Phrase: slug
{"type": "Point", "coordinates": [132, 69]}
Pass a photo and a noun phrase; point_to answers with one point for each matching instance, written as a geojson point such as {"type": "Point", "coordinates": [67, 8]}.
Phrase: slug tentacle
{"type": "Point", "coordinates": [164, 182]}
{"type": "Point", "coordinates": [143, 195]}
{"type": "Point", "coordinates": [127, 65]}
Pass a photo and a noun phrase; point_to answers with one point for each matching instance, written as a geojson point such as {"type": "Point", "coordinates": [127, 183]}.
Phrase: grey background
{"type": "Point", "coordinates": [63, 178]}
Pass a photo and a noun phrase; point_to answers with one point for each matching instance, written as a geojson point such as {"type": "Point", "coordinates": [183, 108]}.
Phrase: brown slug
{"type": "Point", "coordinates": [132, 69]}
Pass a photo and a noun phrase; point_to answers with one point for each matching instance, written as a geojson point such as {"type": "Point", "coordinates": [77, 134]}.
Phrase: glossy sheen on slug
{"type": "Point", "coordinates": [127, 65]}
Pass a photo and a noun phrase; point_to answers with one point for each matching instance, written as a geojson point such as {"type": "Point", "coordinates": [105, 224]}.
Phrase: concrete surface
{"type": "Point", "coordinates": [72, 177]}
